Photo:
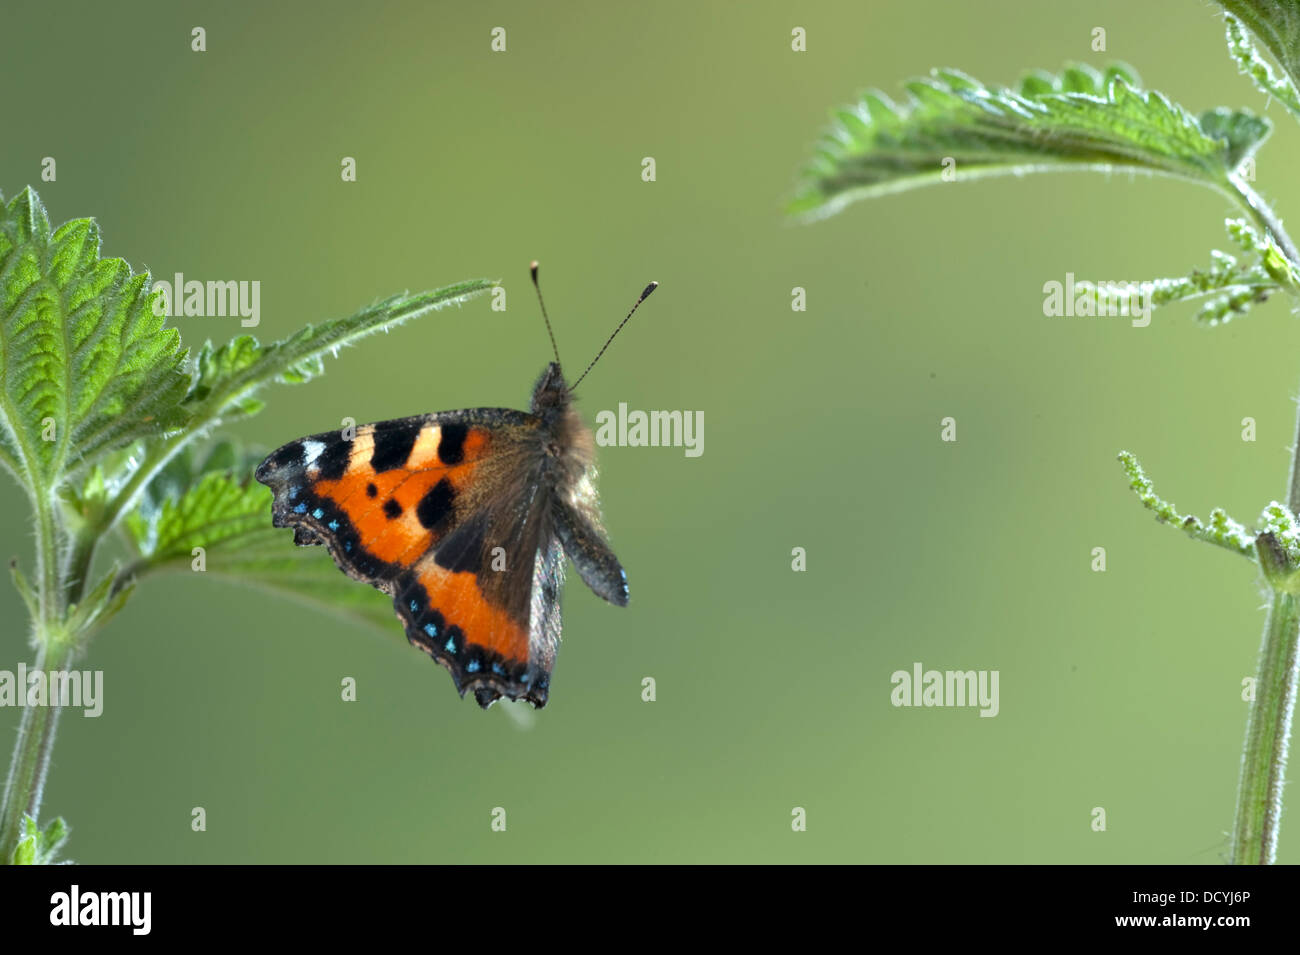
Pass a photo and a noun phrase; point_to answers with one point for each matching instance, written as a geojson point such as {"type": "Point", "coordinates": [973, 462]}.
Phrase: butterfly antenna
{"type": "Point", "coordinates": [644, 295]}
{"type": "Point", "coordinates": [537, 285]}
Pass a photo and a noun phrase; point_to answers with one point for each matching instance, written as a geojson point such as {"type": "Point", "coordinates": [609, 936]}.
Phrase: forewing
{"type": "Point", "coordinates": [442, 511]}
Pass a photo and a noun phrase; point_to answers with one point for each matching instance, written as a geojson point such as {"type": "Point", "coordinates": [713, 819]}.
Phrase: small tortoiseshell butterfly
{"type": "Point", "coordinates": [465, 518]}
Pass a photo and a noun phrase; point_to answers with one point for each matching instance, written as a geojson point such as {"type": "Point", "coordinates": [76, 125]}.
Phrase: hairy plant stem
{"type": "Point", "coordinates": [76, 572]}
{"type": "Point", "coordinates": [1266, 219]}
{"type": "Point", "coordinates": [47, 563]}
{"type": "Point", "coordinates": [31, 758]}
{"type": "Point", "coordinates": [30, 763]}
{"type": "Point", "coordinates": [1268, 727]}
{"type": "Point", "coordinates": [1293, 486]}
{"type": "Point", "coordinates": [1263, 764]}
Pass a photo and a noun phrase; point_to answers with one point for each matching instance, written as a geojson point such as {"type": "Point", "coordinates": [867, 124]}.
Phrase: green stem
{"type": "Point", "coordinates": [1268, 728]}
{"type": "Point", "coordinates": [76, 572]}
{"type": "Point", "coordinates": [1264, 217]}
{"type": "Point", "coordinates": [31, 758]}
{"type": "Point", "coordinates": [47, 563]}
{"type": "Point", "coordinates": [1293, 489]}
{"type": "Point", "coordinates": [1263, 767]}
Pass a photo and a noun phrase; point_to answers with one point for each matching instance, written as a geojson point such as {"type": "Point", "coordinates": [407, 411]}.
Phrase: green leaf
{"type": "Point", "coordinates": [37, 847]}
{"type": "Point", "coordinates": [1282, 88]}
{"type": "Point", "coordinates": [228, 376]}
{"type": "Point", "coordinates": [229, 515]}
{"type": "Point", "coordinates": [1081, 119]}
{"type": "Point", "coordinates": [1241, 132]}
{"type": "Point", "coordinates": [212, 507]}
{"type": "Point", "coordinates": [1220, 530]}
{"type": "Point", "coordinates": [53, 838]}
{"type": "Point", "coordinates": [1276, 24]}
{"type": "Point", "coordinates": [265, 558]}
{"type": "Point", "coordinates": [179, 475]}
{"type": "Point", "coordinates": [270, 561]}
{"type": "Point", "coordinates": [85, 364]}
{"type": "Point", "coordinates": [25, 851]}
{"type": "Point", "coordinates": [97, 607]}
{"type": "Point", "coordinates": [24, 589]}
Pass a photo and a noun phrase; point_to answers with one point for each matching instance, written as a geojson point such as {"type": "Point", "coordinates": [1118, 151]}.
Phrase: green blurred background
{"type": "Point", "coordinates": [1118, 689]}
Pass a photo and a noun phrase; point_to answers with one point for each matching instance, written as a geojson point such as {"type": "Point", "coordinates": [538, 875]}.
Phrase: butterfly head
{"type": "Point", "coordinates": [551, 393]}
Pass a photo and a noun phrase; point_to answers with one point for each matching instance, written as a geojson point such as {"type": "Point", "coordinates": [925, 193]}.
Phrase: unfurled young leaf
{"type": "Point", "coordinates": [85, 364]}
{"type": "Point", "coordinates": [954, 127]}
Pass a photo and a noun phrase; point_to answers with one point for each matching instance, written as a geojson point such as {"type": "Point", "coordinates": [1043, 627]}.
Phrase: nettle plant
{"type": "Point", "coordinates": [111, 429]}
{"type": "Point", "coordinates": [953, 127]}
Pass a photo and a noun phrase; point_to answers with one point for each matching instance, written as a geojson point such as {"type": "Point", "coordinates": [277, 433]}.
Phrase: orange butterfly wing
{"type": "Point", "coordinates": [402, 505]}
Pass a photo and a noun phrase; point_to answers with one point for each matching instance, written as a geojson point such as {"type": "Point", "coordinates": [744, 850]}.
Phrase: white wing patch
{"type": "Point", "coordinates": [311, 450]}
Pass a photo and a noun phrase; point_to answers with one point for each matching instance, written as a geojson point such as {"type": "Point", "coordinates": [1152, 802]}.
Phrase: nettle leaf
{"type": "Point", "coordinates": [1240, 131]}
{"type": "Point", "coordinates": [269, 561]}
{"type": "Point", "coordinates": [193, 504]}
{"type": "Point", "coordinates": [954, 126]}
{"type": "Point", "coordinates": [228, 375]}
{"type": "Point", "coordinates": [85, 364]}
{"type": "Point", "coordinates": [220, 509]}
{"type": "Point", "coordinates": [217, 505]}
{"type": "Point", "coordinates": [1276, 23]}
{"type": "Point", "coordinates": [184, 469]}
{"type": "Point", "coordinates": [217, 364]}
{"type": "Point", "coordinates": [227, 378]}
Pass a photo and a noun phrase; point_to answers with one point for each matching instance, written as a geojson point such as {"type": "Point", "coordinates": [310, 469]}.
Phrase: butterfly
{"type": "Point", "coordinates": [465, 518]}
